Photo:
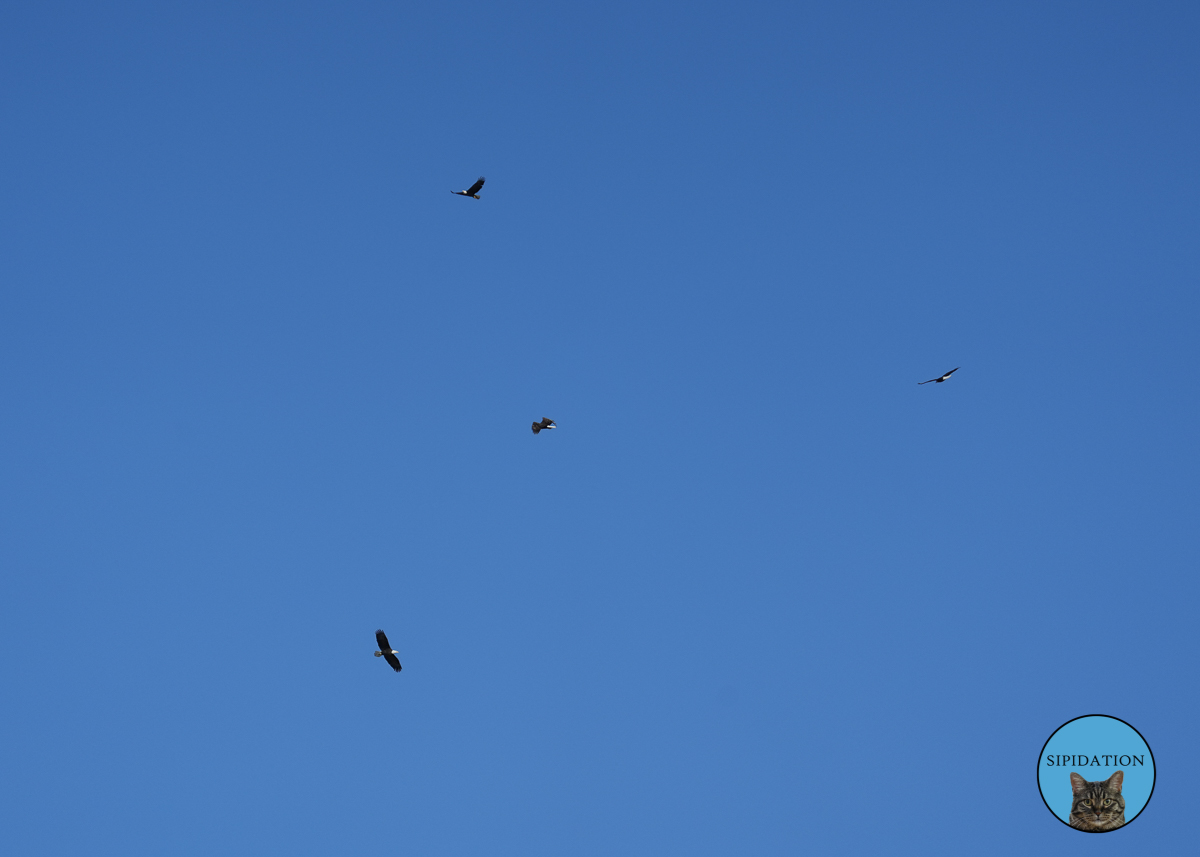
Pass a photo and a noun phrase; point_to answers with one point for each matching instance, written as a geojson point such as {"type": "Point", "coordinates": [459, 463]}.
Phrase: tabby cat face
{"type": "Point", "coordinates": [1099, 805]}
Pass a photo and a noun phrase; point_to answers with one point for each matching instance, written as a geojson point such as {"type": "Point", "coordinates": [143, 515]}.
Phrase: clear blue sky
{"type": "Point", "coordinates": [267, 386]}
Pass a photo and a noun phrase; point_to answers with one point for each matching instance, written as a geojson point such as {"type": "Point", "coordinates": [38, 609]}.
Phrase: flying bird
{"type": "Point", "coordinates": [473, 190]}
{"type": "Point", "coordinates": [545, 423]}
{"type": "Point", "coordinates": [386, 651]}
{"type": "Point", "coordinates": [941, 379]}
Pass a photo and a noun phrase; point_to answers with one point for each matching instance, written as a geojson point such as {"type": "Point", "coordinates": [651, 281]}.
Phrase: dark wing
{"type": "Point", "coordinates": [951, 372]}
{"type": "Point", "coordinates": [537, 427]}
{"type": "Point", "coordinates": [474, 189]}
{"type": "Point", "coordinates": [381, 639]}
{"type": "Point", "coordinates": [546, 421]}
{"type": "Point", "coordinates": [393, 662]}
{"type": "Point", "coordinates": [930, 381]}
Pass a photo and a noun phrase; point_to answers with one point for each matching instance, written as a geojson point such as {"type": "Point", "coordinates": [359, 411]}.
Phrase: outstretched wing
{"type": "Point", "coordinates": [393, 662]}
{"type": "Point", "coordinates": [940, 378]}
{"type": "Point", "coordinates": [537, 427]}
{"type": "Point", "coordinates": [381, 639]}
{"type": "Point", "coordinates": [474, 189]}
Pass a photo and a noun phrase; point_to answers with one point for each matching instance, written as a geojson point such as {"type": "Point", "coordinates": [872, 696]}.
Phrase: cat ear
{"type": "Point", "coordinates": [1114, 782]}
{"type": "Point", "coordinates": [1077, 783]}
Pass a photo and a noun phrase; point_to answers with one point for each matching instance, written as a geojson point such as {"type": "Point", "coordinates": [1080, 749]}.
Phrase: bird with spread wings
{"type": "Point", "coordinates": [941, 379]}
{"type": "Point", "coordinates": [386, 651]}
{"type": "Point", "coordinates": [546, 423]}
{"type": "Point", "coordinates": [473, 190]}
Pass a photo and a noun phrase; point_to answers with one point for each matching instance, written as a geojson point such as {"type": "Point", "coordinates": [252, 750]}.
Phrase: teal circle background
{"type": "Point", "coordinates": [1096, 735]}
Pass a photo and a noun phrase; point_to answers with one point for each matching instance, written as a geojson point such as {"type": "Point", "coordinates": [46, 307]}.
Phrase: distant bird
{"type": "Point", "coordinates": [386, 651]}
{"type": "Point", "coordinates": [545, 423]}
{"type": "Point", "coordinates": [941, 379]}
{"type": "Point", "coordinates": [473, 190]}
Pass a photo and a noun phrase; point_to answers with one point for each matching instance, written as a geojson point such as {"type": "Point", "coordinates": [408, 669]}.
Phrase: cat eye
{"type": "Point", "coordinates": [1086, 802]}
{"type": "Point", "coordinates": [1107, 802]}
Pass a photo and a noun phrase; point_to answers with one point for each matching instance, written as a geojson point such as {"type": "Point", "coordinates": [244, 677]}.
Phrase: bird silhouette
{"type": "Point", "coordinates": [386, 651]}
{"type": "Point", "coordinates": [473, 190]}
{"type": "Point", "coordinates": [941, 379]}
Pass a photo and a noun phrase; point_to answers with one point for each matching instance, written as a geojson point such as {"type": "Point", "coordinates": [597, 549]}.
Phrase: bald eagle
{"type": "Point", "coordinates": [546, 423]}
{"type": "Point", "coordinates": [941, 379]}
{"type": "Point", "coordinates": [386, 651]}
{"type": "Point", "coordinates": [473, 190]}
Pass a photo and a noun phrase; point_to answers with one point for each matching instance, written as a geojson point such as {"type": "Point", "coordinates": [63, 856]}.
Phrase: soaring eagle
{"type": "Point", "coordinates": [941, 379]}
{"type": "Point", "coordinates": [386, 651]}
{"type": "Point", "coordinates": [473, 190]}
{"type": "Point", "coordinates": [545, 423]}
